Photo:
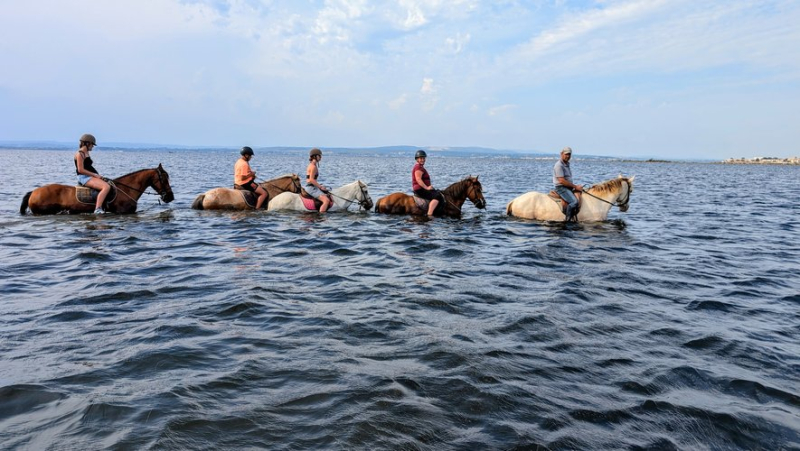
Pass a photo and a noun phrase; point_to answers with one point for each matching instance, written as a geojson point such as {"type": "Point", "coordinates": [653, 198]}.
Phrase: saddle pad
{"type": "Point", "coordinates": [308, 202]}
{"type": "Point", "coordinates": [554, 195]}
{"type": "Point", "coordinates": [249, 198]}
{"type": "Point", "coordinates": [422, 204]}
{"type": "Point", "coordinates": [88, 196]}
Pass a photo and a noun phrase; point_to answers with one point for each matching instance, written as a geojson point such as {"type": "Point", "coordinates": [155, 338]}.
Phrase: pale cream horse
{"type": "Point", "coordinates": [343, 197]}
{"type": "Point", "coordinates": [234, 199]}
{"type": "Point", "coordinates": [595, 205]}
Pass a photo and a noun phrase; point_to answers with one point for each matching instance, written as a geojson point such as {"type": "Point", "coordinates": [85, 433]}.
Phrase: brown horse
{"type": "Point", "coordinates": [454, 196]}
{"type": "Point", "coordinates": [234, 199]}
{"type": "Point", "coordinates": [125, 193]}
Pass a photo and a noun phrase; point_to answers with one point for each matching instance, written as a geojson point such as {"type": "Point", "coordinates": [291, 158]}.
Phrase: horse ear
{"type": "Point", "coordinates": [160, 167]}
{"type": "Point", "coordinates": [632, 177]}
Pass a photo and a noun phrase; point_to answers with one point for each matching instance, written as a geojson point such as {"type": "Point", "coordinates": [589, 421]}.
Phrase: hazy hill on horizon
{"type": "Point", "coordinates": [400, 150]}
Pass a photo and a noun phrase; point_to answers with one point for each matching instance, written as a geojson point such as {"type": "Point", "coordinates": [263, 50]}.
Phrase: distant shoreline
{"type": "Point", "coordinates": [764, 160]}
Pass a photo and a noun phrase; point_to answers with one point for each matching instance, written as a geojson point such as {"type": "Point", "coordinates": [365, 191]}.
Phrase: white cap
{"type": "Point", "coordinates": [567, 150]}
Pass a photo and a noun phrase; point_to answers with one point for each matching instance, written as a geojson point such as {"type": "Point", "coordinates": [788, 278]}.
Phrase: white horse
{"type": "Point", "coordinates": [343, 197]}
{"type": "Point", "coordinates": [596, 202]}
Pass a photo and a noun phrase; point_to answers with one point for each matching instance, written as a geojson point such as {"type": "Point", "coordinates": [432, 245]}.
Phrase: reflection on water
{"type": "Point", "coordinates": [674, 325]}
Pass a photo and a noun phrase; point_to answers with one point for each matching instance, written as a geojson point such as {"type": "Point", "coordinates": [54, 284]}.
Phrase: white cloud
{"type": "Point", "coordinates": [428, 94]}
{"type": "Point", "coordinates": [572, 27]}
{"type": "Point", "coordinates": [398, 102]}
{"type": "Point", "coordinates": [500, 109]}
{"type": "Point", "coordinates": [457, 43]}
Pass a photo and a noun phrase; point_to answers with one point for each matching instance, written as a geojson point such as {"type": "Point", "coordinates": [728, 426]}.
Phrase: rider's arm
{"type": "Point", "coordinates": [568, 184]}
{"type": "Point", "coordinates": [418, 176]}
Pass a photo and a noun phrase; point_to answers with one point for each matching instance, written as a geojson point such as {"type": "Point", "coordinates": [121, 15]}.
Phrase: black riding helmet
{"type": "Point", "coordinates": [420, 153]}
{"type": "Point", "coordinates": [246, 151]}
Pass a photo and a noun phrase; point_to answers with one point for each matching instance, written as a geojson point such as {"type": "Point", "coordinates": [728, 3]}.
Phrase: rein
{"type": "Point", "coordinates": [613, 204]}
{"type": "Point", "coordinates": [144, 191]}
{"type": "Point", "coordinates": [445, 195]}
{"type": "Point", "coordinates": [360, 202]}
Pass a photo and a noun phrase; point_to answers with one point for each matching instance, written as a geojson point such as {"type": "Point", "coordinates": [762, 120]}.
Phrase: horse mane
{"type": "Point", "coordinates": [608, 185]}
{"type": "Point", "coordinates": [136, 172]}
{"type": "Point", "coordinates": [455, 190]}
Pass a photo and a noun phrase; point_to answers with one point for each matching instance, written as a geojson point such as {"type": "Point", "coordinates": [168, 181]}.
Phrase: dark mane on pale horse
{"type": "Point", "coordinates": [609, 185]}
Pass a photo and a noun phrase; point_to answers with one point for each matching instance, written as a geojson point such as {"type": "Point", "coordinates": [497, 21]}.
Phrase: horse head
{"type": "Point", "coordinates": [475, 192]}
{"type": "Point", "coordinates": [160, 183]}
{"type": "Point", "coordinates": [296, 185]}
{"type": "Point", "coordinates": [364, 200]}
{"type": "Point", "coordinates": [624, 196]}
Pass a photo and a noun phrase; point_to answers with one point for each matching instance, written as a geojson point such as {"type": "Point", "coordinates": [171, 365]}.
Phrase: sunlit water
{"type": "Point", "coordinates": [674, 325]}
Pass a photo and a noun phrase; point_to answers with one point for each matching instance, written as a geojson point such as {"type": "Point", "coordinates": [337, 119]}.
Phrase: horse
{"type": "Point", "coordinates": [454, 195]}
{"type": "Point", "coordinates": [234, 199]}
{"type": "Point", "coordinates": [595, 203]}
{"type": "Point", "coordinates": [342, 197]}
{"type": "Point", "coordinates": [125, 193]}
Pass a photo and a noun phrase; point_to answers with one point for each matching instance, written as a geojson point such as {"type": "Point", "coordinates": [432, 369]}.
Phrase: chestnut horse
{"type": "Point", "coordinates": [234, 199]}
{"type": "Point", "coordinates": [54, 199]}
{"type": "Point", "coordinates": [596, 202]}
{"type": "Point", "coordinates": [454, 196]}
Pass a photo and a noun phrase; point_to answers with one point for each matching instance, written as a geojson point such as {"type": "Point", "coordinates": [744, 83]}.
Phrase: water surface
{"type": "Point", "coordinates": [674, 325]}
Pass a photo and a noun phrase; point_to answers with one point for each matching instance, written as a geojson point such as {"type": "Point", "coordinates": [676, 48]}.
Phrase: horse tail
{"type": "Point", "coordinates": [24, 207]}
{"type": "Point", "coordinates": [508, 208]}
{"type": "Point", "coordinates": [198, 202]}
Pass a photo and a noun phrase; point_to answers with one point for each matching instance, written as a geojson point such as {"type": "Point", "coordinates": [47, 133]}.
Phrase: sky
{"type": "Point", "coordinates": [639, 78]}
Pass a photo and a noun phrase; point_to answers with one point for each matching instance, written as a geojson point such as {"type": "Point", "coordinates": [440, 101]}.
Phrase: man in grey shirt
{"type": "Point", "coordinates": [562, 178]}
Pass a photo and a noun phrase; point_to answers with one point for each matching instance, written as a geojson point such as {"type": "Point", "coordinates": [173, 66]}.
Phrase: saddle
{"type": "Point", "coordinates": [312, 203]}
{"type": "Point", "coordinates": [562, 203]}
{"type": "Point", "coordinates": [88, 196]}
{"type": "Point", "coordinates": [422, 204]}
{"type": "Point", "coordinates": [248, 197]}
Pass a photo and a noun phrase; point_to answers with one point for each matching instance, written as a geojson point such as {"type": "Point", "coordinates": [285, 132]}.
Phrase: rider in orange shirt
{"type": "Point", "coordinates": [244, 177]}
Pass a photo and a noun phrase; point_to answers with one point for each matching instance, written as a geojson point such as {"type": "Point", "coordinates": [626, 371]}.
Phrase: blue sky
{"type": "Point", "coordinates": [661, 78]}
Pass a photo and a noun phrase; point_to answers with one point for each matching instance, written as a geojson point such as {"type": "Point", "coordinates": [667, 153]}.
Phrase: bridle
{"type": "Point", "coordinates": [362, 203]}
{"type": "Point", "coordinates": [162, 192]}
{"type": "Point", "coordinates": [162, 183]}
{"type": "Point", "coordinates": [620, 204]}
{"type": "Point", "coordinates": [478, 194]}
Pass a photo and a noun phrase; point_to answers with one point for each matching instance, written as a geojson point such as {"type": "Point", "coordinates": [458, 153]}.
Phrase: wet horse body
{"type": "Point", "coordinates": [234, 199]}
{"type": "Point", "coordinates": [595, 203]}
{"type": "Point", "coordinates": [455, 195]}
{"type": "Point", "coordinates": [57, 199]}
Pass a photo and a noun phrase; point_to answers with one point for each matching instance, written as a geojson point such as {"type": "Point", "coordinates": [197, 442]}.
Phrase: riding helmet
{"type": "Point", "coordinates": [314, 152]}
{"type": "Point", "coordinates": [88, 138]}
{"type": "Point", "coordinates": [420, 153]}
{"type": "Point", "coordinates": [246, 151]}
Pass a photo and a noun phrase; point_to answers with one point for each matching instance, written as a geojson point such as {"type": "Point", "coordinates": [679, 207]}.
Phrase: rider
{"type": "Point", "coordinates": [244, 177]}
{"type": "Point", "coordinates": [313, 187]}
{"type": "Point", "coordinates": [562, 178]}
{"type": "Point", "coordinates": [421, 183]}
{"type": "Point", "coordinates": [87, 174]}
